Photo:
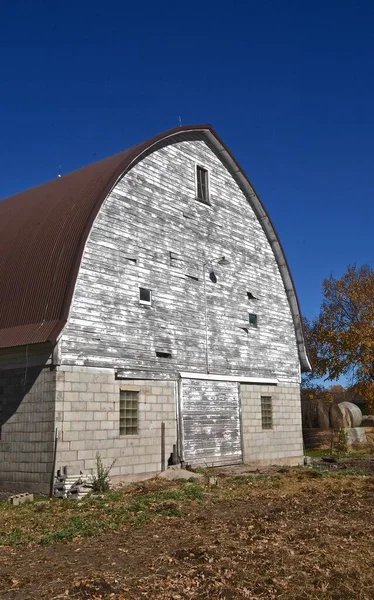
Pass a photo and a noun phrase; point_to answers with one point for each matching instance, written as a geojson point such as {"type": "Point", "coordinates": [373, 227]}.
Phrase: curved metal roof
{"type": "Point", "coordinates": [43, 232]}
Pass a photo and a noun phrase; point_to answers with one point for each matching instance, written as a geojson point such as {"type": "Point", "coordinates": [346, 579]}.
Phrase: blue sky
{"type": "Point", "coordinates": [287, 84]}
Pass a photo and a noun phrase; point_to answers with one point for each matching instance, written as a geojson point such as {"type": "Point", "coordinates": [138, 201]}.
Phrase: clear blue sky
{"type": "Point", "coordinates": [287, 84]}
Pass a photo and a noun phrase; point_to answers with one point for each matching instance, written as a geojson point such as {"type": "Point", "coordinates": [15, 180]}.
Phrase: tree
{"type": "Point", "coordinates": [341, 339]}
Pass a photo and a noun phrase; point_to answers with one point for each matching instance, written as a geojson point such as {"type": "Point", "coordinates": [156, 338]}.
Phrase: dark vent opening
{"type": "Point", "coordinates": [245, 329]}
{"type": "Point", "coordinates": [251, 296]}
{"type": "Point", "coordinates": [133, 260]}
{"type": "Point", "coordinates": [145, 295]}
{"type": "Point", "coordinates": [192, 277]}
{"type": "Point", "coordinates": [252, 320]}
{"type": "Point", "coordinates": [163, 354]}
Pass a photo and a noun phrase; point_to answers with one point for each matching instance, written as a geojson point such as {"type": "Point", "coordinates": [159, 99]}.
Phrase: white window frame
{"type": "Point", "coordinates": [207, 201]}
{"type": "Point", "coordinates": [145, 302]}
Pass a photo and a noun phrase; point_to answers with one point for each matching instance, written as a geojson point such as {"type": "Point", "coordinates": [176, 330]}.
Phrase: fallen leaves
{"type": "Point", "coordinates": [288, 537]}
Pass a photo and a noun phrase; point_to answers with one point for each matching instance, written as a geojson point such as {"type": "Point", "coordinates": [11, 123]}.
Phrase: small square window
{"type": "Point", "coordinates": [266, 412]}
{"type": "Point", "coordinates": [128, 413]}
{"type": "Point", "coordinates": [202, 184]}
{"type": "Point", "coordinates": [145, 296]}
{"type": "Point", "coordinates": [252, 320]}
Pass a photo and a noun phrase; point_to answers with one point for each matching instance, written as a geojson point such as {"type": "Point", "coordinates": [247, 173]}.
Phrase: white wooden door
{"type": "Point", "coordinates": [210, 422]}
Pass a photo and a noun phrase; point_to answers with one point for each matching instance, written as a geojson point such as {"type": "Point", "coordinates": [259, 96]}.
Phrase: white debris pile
{"type": "Point", "coordinates": [72, 486]}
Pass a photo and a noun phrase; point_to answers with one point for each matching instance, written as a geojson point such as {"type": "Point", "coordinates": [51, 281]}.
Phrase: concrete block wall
{"type": "Point", "coordinates": [87, 416]}
{"type": "Point", "coordinates": [27, 398]}
{"type": "Point", "coordinates": [281, 445]}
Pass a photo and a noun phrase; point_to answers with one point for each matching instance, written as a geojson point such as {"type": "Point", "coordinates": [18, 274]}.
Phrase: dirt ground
{"type": "Point", "coordinates": [295, 534]}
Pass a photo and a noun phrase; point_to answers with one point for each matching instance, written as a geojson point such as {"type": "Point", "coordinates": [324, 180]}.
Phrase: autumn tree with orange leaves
{"type": "Point", "coordinates": [341, 339]}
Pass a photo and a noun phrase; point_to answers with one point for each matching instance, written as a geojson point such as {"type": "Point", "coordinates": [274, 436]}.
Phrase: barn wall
{"type": "Point", "coordinates": [283, 443]}
{"type": "Point", "coordinates": [151, 213]}
{"type": "Point", "coordinates": [87, 416]}
{"type": "Point", "coordinates": [27, 401]}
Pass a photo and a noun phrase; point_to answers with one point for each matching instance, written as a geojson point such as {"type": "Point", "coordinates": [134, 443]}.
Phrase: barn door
{"type": "Point", "coordinates": [210, 422]}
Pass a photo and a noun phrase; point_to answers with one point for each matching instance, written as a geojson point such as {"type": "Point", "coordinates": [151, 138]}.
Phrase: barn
{"type": "Point", "coordinates": [148, 313]}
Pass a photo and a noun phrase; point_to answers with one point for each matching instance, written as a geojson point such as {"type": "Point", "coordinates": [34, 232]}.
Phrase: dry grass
{"type": "Point", "coordinates": [298, 535]}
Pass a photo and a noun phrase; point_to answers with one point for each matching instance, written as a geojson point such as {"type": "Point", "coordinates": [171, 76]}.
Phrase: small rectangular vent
{"type": "Point", "coordinates": [145, 296]}
{"type": "Point", "coordinates": [252, 320]}
{"type": "Point", "coordinates": [163, 354]}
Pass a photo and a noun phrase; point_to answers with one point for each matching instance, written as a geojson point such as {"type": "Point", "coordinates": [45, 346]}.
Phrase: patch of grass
{"type": "Point", "coordinates": [14, 537]}
{"type": "Point", "coordinates": [317, 453]}
{"type": "Point", "coordinates": [326, 471]}
{"type": "Point", "coordinates": [56, 536]}
{"type": "Point", "coordinates": [363, 451]}
{"type": "Point", "coordinates": [62, 520]}
{"type": "Point", "coordinates": [56, 520]}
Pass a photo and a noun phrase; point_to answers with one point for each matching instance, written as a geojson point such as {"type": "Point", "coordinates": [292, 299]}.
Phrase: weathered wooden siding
{"type": "Point", "coordinates": [210, 422]}
{"type": "Point", "coordinates": [151, 213]}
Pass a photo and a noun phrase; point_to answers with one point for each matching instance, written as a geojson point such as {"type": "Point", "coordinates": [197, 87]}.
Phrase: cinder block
{"type": "Point", "coordinates": [79, 445]}
{"type": "Point", "coordinates": [84, 415]}
{"type": "Point", "coordinates": [79, 387]}
{"type": "Point", "coordinates": [156, 390]}
{"type": "Point", "coordinates": [94, 387]}
{"type": "Point", "coordinates": [101, 434]}
{"type": "Point", "coordinates": [20, 499]}
{"type": "Point", "coordinates": [100, 416]}
{"type": "Point", "coordinates": [108, 388]}
{"type": "Point", "coordinates": [106, 424]}
{"type": "Point", "coordinates": [78, 406]}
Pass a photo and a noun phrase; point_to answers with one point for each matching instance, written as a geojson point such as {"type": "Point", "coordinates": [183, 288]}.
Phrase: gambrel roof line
{"type": "Point", "coordinates": [43, 232]}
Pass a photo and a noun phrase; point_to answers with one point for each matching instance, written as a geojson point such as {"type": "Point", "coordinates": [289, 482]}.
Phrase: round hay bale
{"type": "Point", "coordinates": [355, 412]}
{"type": "Point", "coordinates": [315, 414]}
{"type": "Point", "coordinates": [323, 414]}
{"type": "Point", "coordinates": [340, 417]}
{"type": "Point", "coordinates": [367, 421]}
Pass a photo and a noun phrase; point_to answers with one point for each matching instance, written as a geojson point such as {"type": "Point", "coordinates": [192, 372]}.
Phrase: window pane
{"type": "Point", "coordinates": [266, 412]}
{"type": "Point", "coordinates": [129, 413]}
{"type": "Point", "coordinates": [252, 319]}
{"type": "Point", "coordinates": [202, 183]}
{"type": "Point", "coordinates": [144, 295]}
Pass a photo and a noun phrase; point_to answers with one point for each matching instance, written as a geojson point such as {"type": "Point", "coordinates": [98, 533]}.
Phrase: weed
{"type": "Point", "coordinates": [101, 479]}
{"type": "Point", "coordinates": [56, 536]}
{"type": "Point", "coordinates": [14, 537]}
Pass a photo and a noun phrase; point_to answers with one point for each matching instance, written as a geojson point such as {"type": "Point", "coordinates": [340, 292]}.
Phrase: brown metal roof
{"type": "Point", "coordinates": [43, 232]}
{"type": "Point", "coordinates": [42, 236]}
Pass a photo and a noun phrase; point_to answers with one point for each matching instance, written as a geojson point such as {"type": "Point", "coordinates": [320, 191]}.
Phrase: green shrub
{"type": "Point", "coordinates": [101, 479]}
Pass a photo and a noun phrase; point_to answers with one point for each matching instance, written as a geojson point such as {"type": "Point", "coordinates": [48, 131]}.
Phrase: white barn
{"type": "Point", "coordinates": [147, 312]}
